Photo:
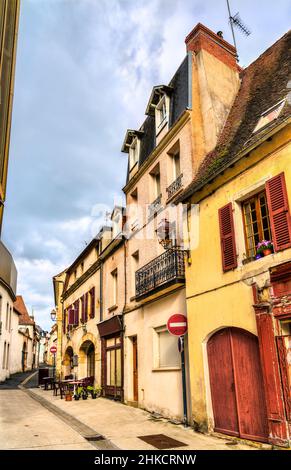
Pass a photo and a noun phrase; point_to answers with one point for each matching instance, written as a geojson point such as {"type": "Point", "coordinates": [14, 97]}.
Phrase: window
{"type": "Point", "coordinates": [7, 357]}
{"type": "Point", "coordinates": [269, 115]}
{"type": "Point", "coordinates": [7, 316]}
{"type": "Point", "coordinates": [166, 349]}
{"type": "Point", "coordinates": [114, 287]}
{"type": "Point", "coordinates": [256, 222]}
{"type": "Point", "coordinates": [10, 314]}
{"type": "Point", "coordinates": [176, 165]}
{"type": "Point", "coordinates": [133, 153]}
{"type": "Point", "coordinates": [133, 208]}
{"type": "Point", "coordinates": [4, 356]}
{"type": "Point", "coordinates": [156, 183]}
{"type": "Point", "coordinates": [135, 264]}
{"type": "Point", "coordinates": [162, 113]}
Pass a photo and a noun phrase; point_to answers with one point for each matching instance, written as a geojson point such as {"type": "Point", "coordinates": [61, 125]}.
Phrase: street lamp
{"type": "Point", "coordinates": [53, 314]}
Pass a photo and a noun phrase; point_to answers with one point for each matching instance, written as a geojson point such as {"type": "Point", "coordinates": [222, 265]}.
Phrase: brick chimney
{"type": "Point", "coordinates": [203, 38]}
{"type": "Point", "coordinates": [215, 83]}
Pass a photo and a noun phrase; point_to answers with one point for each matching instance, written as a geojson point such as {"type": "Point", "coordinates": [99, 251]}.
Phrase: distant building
{"type": "Point", "coordinates": [9, 17]}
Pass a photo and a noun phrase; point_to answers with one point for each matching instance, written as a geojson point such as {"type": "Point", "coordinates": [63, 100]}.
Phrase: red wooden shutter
{"type": "Point", "coordinates": [227, 237]}
{"type": "Point", "coordinates": [71, 316]}
{"type": "Point", "coordinates": [92, 293]}
{"type": "Point", "coordinates": [279, 212]}
{"type": "Point", "coordinates": [76, 319]}
{"type": "Point", "coordinates": [86, 307]}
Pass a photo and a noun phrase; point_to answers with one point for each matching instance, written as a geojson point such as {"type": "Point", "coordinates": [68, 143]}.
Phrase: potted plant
{"type": "Point", "coordinates": [83, 393]}
{"type": "Point", "coordinates": [77, 394]}
{"type": "Point", "coordinates": [265, 248]}
{"type": "Point", "coordinates": [95, 392]}
{"type": "Point", "coordinates": [68, 395]}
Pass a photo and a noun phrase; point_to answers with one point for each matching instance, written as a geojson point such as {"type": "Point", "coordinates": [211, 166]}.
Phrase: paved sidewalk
{"type": "Point", "coordinates": [121, 424]}
{"type": "Point", "coordinates": [26, 425]}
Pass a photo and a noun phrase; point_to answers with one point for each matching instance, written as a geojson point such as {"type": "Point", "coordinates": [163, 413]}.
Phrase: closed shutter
{"type": "Point", "coordinates": [71, 317]}
{"type": "Point", "coordinates": [86, 307]}
{"type": "Point", "coordinates": [92, 312]}
{"type": "Point", "coordinates": [279, 212]}
{"type": "Point", "coordinates": [76, 305]}
{"type": "Point", "coordinates": [227, 237]}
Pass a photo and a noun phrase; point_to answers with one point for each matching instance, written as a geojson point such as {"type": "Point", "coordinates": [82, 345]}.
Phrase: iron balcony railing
{"type": "Point", "coordinates": [161, 271]}
{"type": "Point", "coordinates": [155, 206]}
{"type": "Point", "coordinates": [175, 186]}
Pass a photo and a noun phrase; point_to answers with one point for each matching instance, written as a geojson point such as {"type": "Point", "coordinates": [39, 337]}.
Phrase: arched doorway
{"type": "Point", "coordinates": [68, 361]}
{"type": "Point", "coordinates": [87, 359]}
{"type": "Point", "coordinates": [236, 382]}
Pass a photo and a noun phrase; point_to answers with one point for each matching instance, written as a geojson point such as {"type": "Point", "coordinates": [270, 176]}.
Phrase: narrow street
{"type": "Point", "coordinates": [35, 419]}
{"type": "Point", "coordinates": [25, 424]}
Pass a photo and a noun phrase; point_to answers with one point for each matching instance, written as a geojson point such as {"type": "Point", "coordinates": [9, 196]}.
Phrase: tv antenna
{"type": "Point", "coordinates": [238, 23]}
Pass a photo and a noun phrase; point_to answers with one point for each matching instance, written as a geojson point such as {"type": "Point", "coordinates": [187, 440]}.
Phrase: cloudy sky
{"type": "Point", "coordinates": [85, 69]}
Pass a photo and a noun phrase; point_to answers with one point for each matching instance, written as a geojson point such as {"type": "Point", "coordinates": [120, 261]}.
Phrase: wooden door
{"type": "Point", "coordinates": [112, 367]}
{"type": "Point", "coordinates": [222, 383]}
{"type": "Point", "coordinates": [248, 379]}
{"type": "Point", "coordinates": [237, 391]}
{"type": "Point", "coordinates": [135, 368]}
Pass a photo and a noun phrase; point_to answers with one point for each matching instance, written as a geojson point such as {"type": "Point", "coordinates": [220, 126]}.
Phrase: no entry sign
{"type": "Point", "coordinates": [177, 324]}
{"type": "Point", "coordinates": [53, 349]}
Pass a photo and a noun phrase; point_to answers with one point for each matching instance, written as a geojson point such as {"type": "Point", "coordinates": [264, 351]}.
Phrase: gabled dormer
{"type": "Point", "coordinates": [131, 145]}
{"type": "Point", "coordinates": [159, 107]}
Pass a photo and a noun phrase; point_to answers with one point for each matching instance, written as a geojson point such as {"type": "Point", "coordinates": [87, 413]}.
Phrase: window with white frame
{"type": "Point", "coordinates": [166, 354]}
{"type": "Point", "coordinates": [133, 153]}
{"type": "Point", "coordinates": [162, 113]}
{"type": "Point", "coordinates": [156, 182]}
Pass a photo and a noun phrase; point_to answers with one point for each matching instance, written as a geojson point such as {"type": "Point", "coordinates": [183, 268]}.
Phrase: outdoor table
{"type": "Point", "coordinates": [47, 381]}
{"type": "Point", "coordinates": [75, 383]}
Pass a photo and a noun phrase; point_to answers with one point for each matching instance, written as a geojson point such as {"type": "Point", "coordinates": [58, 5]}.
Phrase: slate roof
{"type": "Point", "coordinates": [20, 308]}
{"type": "Point", "coordinates": [263, 84]}
{"type": "Point", "coordinates": [178, 103]}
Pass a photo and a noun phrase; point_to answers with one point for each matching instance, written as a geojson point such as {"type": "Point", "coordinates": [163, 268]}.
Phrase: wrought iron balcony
{"type": "Point", "coordinates": [155, 206]}
{"type": "Point", "coordinates": [163, 271]}
{"type": "Point", "coordinates": [175, 186]}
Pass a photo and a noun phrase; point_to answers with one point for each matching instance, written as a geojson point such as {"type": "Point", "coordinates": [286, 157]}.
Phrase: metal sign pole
{"type": "Point", "coordinates": [182, 350]}
{"type": "Point", "coordinates": [54, 366]}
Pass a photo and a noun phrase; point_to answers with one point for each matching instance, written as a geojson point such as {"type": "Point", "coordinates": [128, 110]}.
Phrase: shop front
{"type": "Point", "coordinates": [111, 334]}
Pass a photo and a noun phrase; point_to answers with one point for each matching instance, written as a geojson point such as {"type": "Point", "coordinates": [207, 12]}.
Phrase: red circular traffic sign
{"type": "Point", "coordinates": [177, 324]}
{"type": "Point", "coordinates": [53, 349]}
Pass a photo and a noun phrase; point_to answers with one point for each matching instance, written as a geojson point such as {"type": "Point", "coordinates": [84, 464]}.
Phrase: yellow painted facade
{"type": "Point", "coordinates": [217, 299]}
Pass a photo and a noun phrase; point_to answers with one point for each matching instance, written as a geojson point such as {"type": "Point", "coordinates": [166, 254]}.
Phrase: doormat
{"type": "Point", "coordinates": [160, 441]}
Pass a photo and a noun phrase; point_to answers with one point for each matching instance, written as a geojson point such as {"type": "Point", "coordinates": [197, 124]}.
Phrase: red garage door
{"type": "Point", "coordinates": [236, 383]}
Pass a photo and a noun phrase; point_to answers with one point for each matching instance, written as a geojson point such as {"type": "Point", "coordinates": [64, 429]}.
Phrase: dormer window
{"type": "Point", "coordinates": [159, 106]}
{"type": "Point", "coordinates": [131, 145]}
{"type": "Point", "coordinates": [133, 153]}
{"type": "Point", "coordinates": [162, 115]}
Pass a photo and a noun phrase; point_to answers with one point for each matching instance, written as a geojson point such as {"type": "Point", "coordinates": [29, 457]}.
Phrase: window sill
{"type": "Point", "coordinates": [112, 308]}
{"type": "Point", "coordinates": [166, 369]}
{"type": "Point", "coordinates": [161, 126]}
{"type": "Point", "coordinates": [252, 258]}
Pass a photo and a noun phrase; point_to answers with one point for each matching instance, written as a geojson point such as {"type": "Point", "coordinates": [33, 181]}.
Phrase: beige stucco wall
{"type": "Point", "coordinates": [158, 390]}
